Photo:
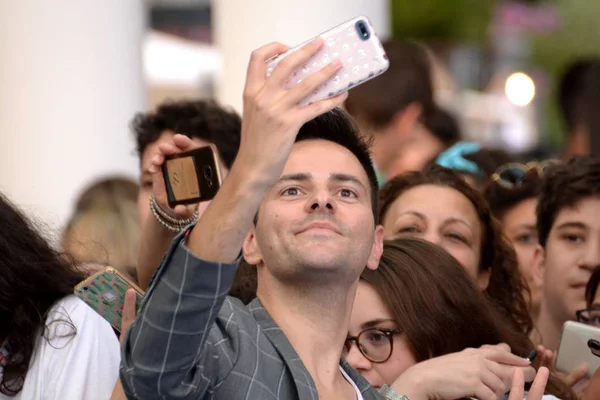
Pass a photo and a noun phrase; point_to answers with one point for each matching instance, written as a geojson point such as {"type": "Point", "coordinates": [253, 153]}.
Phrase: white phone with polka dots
{"type": "Point", "coordinates": [356, 44]}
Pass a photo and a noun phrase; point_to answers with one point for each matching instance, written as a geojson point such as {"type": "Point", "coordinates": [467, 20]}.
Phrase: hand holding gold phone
{"type": "Point", "coordinates": [193, 176]}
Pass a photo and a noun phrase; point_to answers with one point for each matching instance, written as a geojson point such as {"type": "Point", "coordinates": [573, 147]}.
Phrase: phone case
{"type": "Point", "coordinates": [105, 291]}
{"type": "Point", "coordinates": [362, 58]}
{"type": "Point", "coordinates": [579, 344]}
{"type": "Point", "coordinates": [193, 176]}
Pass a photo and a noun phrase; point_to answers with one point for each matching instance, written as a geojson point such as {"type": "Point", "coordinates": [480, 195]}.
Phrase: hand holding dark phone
{"type": "Point", "coordinates": [193, 176]}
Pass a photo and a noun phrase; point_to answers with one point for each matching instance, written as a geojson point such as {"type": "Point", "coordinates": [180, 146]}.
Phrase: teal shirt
{"type": "Point", "coordinates": [381, 179]}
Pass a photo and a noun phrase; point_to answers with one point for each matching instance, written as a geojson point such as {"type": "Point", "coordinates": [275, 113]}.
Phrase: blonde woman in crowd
{"type": "Point", "coordinates": [104, 229]}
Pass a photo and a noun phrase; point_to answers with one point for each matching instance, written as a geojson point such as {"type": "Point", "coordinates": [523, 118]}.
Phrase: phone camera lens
{"type": "Point", "coordinates": [363, 31]}
{"type": "Point", "coordinates": [208, 174]}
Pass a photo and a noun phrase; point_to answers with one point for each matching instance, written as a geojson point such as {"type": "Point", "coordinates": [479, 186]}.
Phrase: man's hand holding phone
{"type": "Point", "coordinates": [129, 313]}
{"type": "Point", "coordinates": [156, 237]}
{"type": "Point", "coordinates": [175, 145]}
{"type": "Point", "coordinates": [272, 119]}
{"type": "Point", "coordinates": [574, 379]}
{"type": "Point", "coordinates": [272, 114]}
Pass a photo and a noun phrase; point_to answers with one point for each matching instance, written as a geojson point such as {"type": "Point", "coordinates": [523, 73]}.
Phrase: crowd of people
{"type": "Point", "coordinates": [357, 249]}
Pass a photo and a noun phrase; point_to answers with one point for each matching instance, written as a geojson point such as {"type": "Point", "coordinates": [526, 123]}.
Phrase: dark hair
{"type": "Point", "coordinates": [592, 287]}
{"type": "Point", "coordinates": [443, 126]}
{"type": "Point", "coordinates": [245, 282]}
{"type": "Point", "coordinates": [438, 306]}
{"type": "Point", "coordinates": [574, 87]}
{"type": "Point", "coordinates": [506, 286]}
{"type": "Point", "coordinates": [202, 119]}
{"type": "Point", "coordinates": [408, 80]}
{"type": "Point", "coordinates": [338, 127]}
{"type": "Point", "coordinates": [502, 199]}
{"type": "Point", "coordinates": [488, 161]}
{"type": "Point", "coordinates": [34, 277]}
{"type": "Point", "coordinates": [563, 186]}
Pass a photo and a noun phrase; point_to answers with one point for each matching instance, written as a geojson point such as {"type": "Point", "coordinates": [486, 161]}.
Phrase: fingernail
{"type": "Point", "coordinates": [152, 169]}
{"type": "Point", "coordinates": [319, 41]}
{"type": "Point", "coordinates": [336, 63]}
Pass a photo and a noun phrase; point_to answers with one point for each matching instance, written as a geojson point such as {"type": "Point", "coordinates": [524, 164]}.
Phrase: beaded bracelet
{"type": "Point", "coordinates": [172, 224]}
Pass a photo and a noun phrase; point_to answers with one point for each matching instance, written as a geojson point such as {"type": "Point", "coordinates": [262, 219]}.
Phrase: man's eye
{"type": "Point", "coordinates": [291, 192]}
{"type": "Point", "coordinates": [347, 193]}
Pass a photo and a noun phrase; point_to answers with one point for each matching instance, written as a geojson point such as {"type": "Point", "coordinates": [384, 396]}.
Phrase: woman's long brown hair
{"type": "Point", "coordinates": [506, 286]}
{"type": "Point", "coordinates": [438, 306]}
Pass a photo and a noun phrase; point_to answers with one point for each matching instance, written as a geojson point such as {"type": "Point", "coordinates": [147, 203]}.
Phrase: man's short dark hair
{"type": "Point", "coordinates": [338, 127]}
{"type": "Point", "coordinates": [408, 80]}
{"type": "Point", "coordinates": [201, 119]}
{"type": "Point", "coordinates": [563, 186]}
{"type": "Point", "coordinates": [574, 87]}
{"type": "Point", "coordinates": [443, 126]}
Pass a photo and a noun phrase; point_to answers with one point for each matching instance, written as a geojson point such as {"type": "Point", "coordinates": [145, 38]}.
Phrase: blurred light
{"type": "Point", "coordinates": [520, 89]}
{"type": "Point", "coordinates": [170, 60]}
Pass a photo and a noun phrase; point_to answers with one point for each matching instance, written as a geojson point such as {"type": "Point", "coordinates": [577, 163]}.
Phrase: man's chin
{"type": "Point", "coordinates": [321, 260]}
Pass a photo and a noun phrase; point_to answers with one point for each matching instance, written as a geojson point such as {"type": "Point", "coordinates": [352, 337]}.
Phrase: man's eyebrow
{"type": "Point", "coordinates": [347, 178]}
{"type": "Point", "coordinates": [572, 224]}
{"type": "Point", "coordinates": [295, 177]}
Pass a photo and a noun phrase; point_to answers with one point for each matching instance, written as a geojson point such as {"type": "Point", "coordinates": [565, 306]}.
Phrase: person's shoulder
{"type": "Point", "coordinates": [72, 326]}
{"type": "Point", "coordinates": [72, 306]}
{"type": "Point", "coordinates": [74, 312]}
{"type": "Point", "coordinates": [234, 316]}
{"type": "Point", "coordinates": [234, 308]}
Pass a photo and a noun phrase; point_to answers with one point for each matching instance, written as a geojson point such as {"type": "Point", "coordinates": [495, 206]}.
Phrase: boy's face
{"type": "Point", "coordinates": [571, 254]}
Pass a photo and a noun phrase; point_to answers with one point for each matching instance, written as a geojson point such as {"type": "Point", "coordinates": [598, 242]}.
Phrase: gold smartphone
{"type": "Point", "coordinates": [105, 292]}
{"type": "Point", "coordinates": [193, 176]}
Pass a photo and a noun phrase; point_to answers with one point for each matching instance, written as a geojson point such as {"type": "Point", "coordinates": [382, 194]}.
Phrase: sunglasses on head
{"type": "Point", "coordinates": [514, 175]}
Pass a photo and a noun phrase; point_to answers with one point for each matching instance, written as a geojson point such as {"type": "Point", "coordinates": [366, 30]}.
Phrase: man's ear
{"type": "Point", "coordinates": [377, 249]}
{"type": "Point", "coordinates": [251, 250]}
{"type": "Point", "coordinates": [539, 265]}
{"type": "Point", "coordinates": [404, 122]}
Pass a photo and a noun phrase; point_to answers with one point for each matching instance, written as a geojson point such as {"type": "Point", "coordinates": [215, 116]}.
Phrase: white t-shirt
{"type": "Point", "coordinates": [544, 397]}
{"type": "Point", "coordinates": [77, 367]}
{"type": "Point", "coordinates": [359, 395]}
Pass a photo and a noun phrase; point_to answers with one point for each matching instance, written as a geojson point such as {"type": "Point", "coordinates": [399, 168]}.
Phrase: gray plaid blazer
{"type": "Point", "coordinates": [192, 341]}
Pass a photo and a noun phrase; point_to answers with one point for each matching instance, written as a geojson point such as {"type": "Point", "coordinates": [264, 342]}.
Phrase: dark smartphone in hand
{"type": "Point", "coordinates": [193, 176]}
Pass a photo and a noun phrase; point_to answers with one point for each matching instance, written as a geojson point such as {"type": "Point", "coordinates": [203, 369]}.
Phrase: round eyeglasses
{"type": "Point", "coordinates": [589, 316]}
{"type": "Point", "coordinates": [513, 175]}
{"type": "Point", "coordinates": [376, 344]}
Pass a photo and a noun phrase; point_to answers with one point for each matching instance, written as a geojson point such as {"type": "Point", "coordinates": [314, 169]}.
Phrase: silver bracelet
{"type": "Point", "coordinates": [172, 224]}
{"type": "Point", "coordinates": [170, 219]}
{"type": "Point", "coordinates": [391, 394]}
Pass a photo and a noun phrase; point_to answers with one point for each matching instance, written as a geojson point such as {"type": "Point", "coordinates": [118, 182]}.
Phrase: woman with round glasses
{"type": "Point", "coordinates": [420, 304]}
{"type": "Point", "coordinates": [513, 194]}
{"type": "Point", "coordinates": [439, 206]}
